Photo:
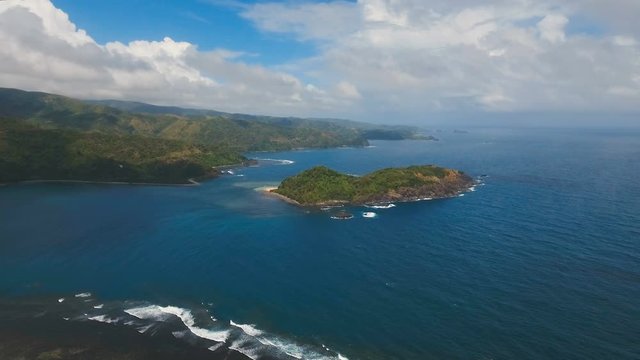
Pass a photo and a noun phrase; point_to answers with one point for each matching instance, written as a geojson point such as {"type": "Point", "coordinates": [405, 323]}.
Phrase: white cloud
{"type": "Point", "coordinates": [552, 26]}
{"type": "Point", "coordinates": [306, 20]}
{"type": "Point", "coordinates": [348, 90]}
{"type": "Point", "coordinates": [43, 50]}
{"type": "Point", "coordinates": [407, 57]}
{"type": "Point", "coordinates": [417, 56]}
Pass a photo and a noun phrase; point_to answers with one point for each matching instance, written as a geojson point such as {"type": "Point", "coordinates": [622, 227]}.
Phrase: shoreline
{"type": "Point", "coordinates": [268, 190]}
{"type": "Point", "coordinates": [37, 327]}
{"type": "Point", "coordinates": [191, 182]}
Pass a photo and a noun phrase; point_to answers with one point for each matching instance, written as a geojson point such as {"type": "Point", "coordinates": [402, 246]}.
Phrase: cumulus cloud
{"type": "Point", "coordinates": [552, 28]}
{"type": "Point", "coordinates": [516, 55]}
{"type": "Point", "coordinates": [43, 50]}
{"type": "Point", "coordinates": [406, 57]}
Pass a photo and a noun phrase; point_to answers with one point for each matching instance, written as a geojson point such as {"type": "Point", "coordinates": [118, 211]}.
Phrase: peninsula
{"type": "Point", "coordinates": [51, 137]}
{"type": "Point", "coordinates": [321, 186]}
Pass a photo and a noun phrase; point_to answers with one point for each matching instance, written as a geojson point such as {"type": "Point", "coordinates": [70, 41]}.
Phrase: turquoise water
{"type": "Point", "coordinates": [542, 261]}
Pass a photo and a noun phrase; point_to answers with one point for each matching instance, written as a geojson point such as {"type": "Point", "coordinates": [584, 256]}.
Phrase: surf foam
{"type": "Point", "coordinates": [155, 312]}
{"type": "Point", "coordinates": [247, 339]}
{"type": "Point", "coordinates": [287, 347]}
{"type": "Point", "coordinates": [278, 161]}
{"type": "Point", "coordinates": [388, 206]}
{"type": "Point", "coordinates": [103, 319]}
{"type": "Point", "coordinates": [247, 328]}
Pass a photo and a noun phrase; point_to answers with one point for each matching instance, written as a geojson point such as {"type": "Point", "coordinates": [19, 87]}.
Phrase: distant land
{"type": "Point", "coordinates": [51, 137]}
{"type": "Point", "coordinates": [321, 186]}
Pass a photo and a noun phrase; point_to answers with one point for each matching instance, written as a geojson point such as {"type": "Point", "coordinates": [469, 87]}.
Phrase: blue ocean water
{"type": "Point", "coordinates": [541, 262]}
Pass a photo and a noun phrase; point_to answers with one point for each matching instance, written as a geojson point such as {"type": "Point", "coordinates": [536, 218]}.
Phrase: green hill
{"type": "Point", "coordinates": [323, 186]}
{"type": "Point", "coordinates": [47, 136]}
{"type": "Point", "coordinates": [31, 153]}
{"type": "Point", "coordinates": [237, 134]}
{"type": "Point", "coordinates": [365, 130]}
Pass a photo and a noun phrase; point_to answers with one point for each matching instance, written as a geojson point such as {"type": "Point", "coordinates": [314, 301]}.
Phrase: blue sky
{"type": "Point", "coordinates": [374, 60]}
{"type": "Point", "coordinates": [209, 24]}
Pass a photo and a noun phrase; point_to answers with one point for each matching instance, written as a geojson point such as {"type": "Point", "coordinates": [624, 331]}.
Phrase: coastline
{"type": "Point", "coordinates": [191, 182]}
{"type": "Point", "coordinates": [37, 328]}
{"type": "Point", "coordinates": [269, 190]}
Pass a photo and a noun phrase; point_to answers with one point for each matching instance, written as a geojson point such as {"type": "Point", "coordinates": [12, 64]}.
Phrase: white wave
{"type": "Point", "coordinates": [241, 347]}
{"type": "Point", "coordinates": [461, 195]}
{"type": "Point", "coordinates": [247, 328]}
{"type": "Point", "coordinates": [143, 329]}
{"type": "Point", "coordinates": [245, 345]}
{"type": "Point", "coordinates": [278, 161]}
{"type": "Point", "coordinates": [287, 347]}
{"type": "Point", "coordinates": [99, 306]}
{"type": "Point", "coordinates": [66, 318]}
{"type": "Point", "coordinates": [83, 295]}
{"type": "Point", "coordinates": [215, 347]}
{"type": "Point", "coordinates": [156, 312]}
{"type": "Point", "coordinates": [151, 312]}
{"type": "Point", "coordinates": [342, 357]}
{"type": "Point", "coordinates": [103, 319]}
{"type": "Point", "coordinates": [473, 188]}
{"type": "Point", "coordinates": [180, 334]}
{"type": "Point", "coordinates": [388, 206]}
{"type": "Point", "coordinates": [60, 300]}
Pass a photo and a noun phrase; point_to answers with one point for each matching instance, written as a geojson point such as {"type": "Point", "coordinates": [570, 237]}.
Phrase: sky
{"type": "Point", "coordinates": [389, 61]}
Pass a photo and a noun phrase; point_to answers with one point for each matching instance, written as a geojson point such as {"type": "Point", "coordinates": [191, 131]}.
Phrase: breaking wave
{"type": "Point", "coordinates": [388, 206]}
{"type": "Point", "coordinates": [196, 326]}
{"type": "Point", "coordinates": [277, 161]}
{"type": "Point", "coordinates": [155, 312]}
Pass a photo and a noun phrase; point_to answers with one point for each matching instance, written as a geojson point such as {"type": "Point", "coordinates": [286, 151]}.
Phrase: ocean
{"type": "Point", "coordinates": [541, 261]}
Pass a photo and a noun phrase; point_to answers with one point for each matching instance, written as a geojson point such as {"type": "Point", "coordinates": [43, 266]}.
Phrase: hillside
{"type": "Point", "coordinates": [366, 130]}
{"type": "Point", "coordinates": [31, 153]}
{"type": "Point", "coordinates": [323, 186]}
{"type": "Point", "coordinates": [47, 136]}
{"type": "Point", "coordinates": [240, 135]}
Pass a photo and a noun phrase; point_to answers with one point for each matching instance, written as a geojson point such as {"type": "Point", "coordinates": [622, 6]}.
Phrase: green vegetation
{"type": "Point", "coordinates": [364, 130]}
{"type": "Point", "coordinates": [52, 137]}
{"type": "Point", "coordinates": [395, 133]}
{"type": "Point", "coordinates": [32, 153]}
{"type": "Point", "coordinates": [239, 133]}
{"type": "Point", "coordinates": [317, 185]}
{"type": "Point", "coordinates": [321, 185]}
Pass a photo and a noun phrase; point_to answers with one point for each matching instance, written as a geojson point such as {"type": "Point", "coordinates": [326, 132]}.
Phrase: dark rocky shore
{"type": "Point", "coordinates": [30, 329]}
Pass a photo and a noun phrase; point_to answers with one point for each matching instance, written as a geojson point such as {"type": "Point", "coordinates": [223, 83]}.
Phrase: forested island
{"type": "Point", "coordinates": [52, 137]}
{"type": "Point", "coordinates": [321, 186]}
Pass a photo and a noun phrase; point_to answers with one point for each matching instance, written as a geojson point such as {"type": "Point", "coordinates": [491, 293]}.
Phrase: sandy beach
{"type": "Point", "coordinates": [269, 190]}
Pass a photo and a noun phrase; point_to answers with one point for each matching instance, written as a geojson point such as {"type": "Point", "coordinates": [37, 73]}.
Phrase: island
{"type": "Point", "coordinates": [322, 186]}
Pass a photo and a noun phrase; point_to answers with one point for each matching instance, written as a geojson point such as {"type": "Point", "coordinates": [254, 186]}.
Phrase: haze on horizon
{"type": "Point", "coordinates": [387, 61]}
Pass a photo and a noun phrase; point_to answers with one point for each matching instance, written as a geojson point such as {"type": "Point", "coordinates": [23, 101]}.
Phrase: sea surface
{"type": "Point", "coordinates": [541, 261]}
